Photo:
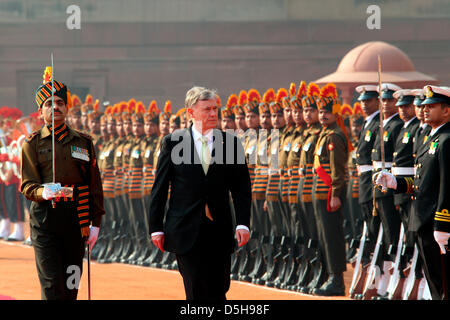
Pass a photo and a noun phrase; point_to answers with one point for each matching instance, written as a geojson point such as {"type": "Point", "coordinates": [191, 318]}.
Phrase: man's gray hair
{"type": "Point", "coordinates": [196, 94]}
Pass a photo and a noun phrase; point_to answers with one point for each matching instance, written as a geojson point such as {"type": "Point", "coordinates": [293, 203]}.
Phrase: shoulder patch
{"type": "Point", "coordinates": [32, 135]}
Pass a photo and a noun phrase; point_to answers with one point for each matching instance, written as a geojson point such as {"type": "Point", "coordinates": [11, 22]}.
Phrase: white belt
{"type": "Point", "coordinates": [274, 171]}
{"type": "Point", "coordinates": [378, 164]}
{"type": "Point", "coordinates": [364, 168]}
{"type": "Point", "coordinates": [403, 171]}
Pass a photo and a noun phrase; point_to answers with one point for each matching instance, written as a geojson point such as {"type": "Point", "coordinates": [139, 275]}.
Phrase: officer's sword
{"type": "Point", "coordinates": [53, 130]}
{"type": "Point", "coordinates": [374, 210]}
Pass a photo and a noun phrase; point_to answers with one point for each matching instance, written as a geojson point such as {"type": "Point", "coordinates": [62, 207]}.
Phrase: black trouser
{"type": "Point", "coordinates": [390, 218]}
{"type": "Point", "coordinates": [373, 224]}
{"type": "Point", "coordinates": [59, 249]}
{"type": "Point", "coordinates": [434, 264]}
{"type": "Point", "coordinates": [14, 203]}
{"type": "Point", "coordinates": [205, 268]}
{"type": "Point", "coordinates": [330, 230]}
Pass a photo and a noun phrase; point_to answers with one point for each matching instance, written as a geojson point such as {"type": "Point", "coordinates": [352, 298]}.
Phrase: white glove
{"type": "Point", "coordinates": [442, 239]}
{"type": "Point", "coordinates": [385, 180]}
{"type": "Point", "coordinates": [93, 235]}
{"type": "Point", "coordinates": [50, 190]}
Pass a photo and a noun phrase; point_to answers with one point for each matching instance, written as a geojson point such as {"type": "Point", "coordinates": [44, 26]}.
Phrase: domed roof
{"type": "Point", "coordinates": [364, 58]}
{"type": "Point", "coordinates": [360, 65]}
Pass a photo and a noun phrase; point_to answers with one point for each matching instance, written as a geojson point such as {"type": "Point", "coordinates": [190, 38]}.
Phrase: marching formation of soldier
{"type": "Point", "coordinates": [316, 204]}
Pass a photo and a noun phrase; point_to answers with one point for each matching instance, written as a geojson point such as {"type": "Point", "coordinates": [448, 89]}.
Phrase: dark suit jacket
{"type": "Point", "coordinates": [403, 155]}
{"type": "Point", "coordinates": [364, 157]}
{"type": "Point", "coordinates": [431, 185]}
{"type": "Point", "coordinates": [180, 167]}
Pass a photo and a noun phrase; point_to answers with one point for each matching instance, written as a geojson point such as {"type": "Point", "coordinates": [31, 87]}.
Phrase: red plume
{"type": "Point", "coordinates": [292, 90]}
{"type": "Point", "coordinates": [357, 109]}
{"type": "Point", "coordinates": [140, 107]}
{"type": "Point", "coordinates": [253, 95]}
{"type": "Point", "coordinates": [302, 89]}
{"type": "Point", "coordinates": [168, 107]}
{"type": "Point", "coordinates": [47, 77]}
{"type": "Point", "coordinates": [313, 90]}
{"type": "Point", "coordinates": [329, 90]}
{"type": "Point", "coordinates": [219, 102]}
{"type": "Point", "coordinates": [243, 98]}
{"type": "Point", "coordinates": [281, 93]}
{"type": "Point", "coordinates": [75, 100]}
{"type": "Point", "coordinates": [89, 99]}
{"type": "Point", "coordinates": [269, 95]}
{"type": "Point", "coordinates": [153, 107]}
{"type": "Point", "coordinates": [346, 111]}
{"type": "Point", "coordinates": [232, 100]}
{"type": "Point", "coordinates": [96, 105]}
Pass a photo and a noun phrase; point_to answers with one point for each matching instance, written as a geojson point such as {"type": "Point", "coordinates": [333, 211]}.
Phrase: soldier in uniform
{"type": "Point", "coordinates": [389, 215]}
{"type": "Point", "coordinates": [292, 162]}
{"type": "Point", "coordinates": [137, 214]}
{"type": "Point", "coordinates": [403, 164]}
{"type": "Point", "coordinates": [314, 273]}
{"type": "Point", "coordinates": [354, 208]}
{"type": "Point", "coordinates": [239, 115]}
{"type": "Point", "coordinates": [106, 159]}
{"type": "Point", "coordinates": [273, 196]}
{"type": "Point", "coordinates": [329, 187]}
{"type": "Point", "coordinates": [94, 127]}
{"type": "Point", "coordinates": [259, 187]}
{"type": "Point", "coordinates": [151, 130]}
{"type": "Point", "coordinates": [75, 115]}
{"type": "Point", "coordinates": [368, 97]}
{"type": "Point", "coordinates": [226, 114]}
{"type": "Point", "coordinates": [430, 216]}
{"type": "Point", "coordinates": [60, 228]}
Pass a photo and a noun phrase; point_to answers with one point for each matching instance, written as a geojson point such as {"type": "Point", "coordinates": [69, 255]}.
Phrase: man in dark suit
{"type": "Point", "coordinates": [202, 165]}
{"type": "Point", "coordinates": [430, 187]}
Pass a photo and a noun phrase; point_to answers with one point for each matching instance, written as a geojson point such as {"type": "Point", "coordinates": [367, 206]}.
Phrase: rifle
{"type": "Point", "coordinates": [370, 288]}
{"type": "Point", "coordinates": [412, 283]}
{"type": "Point", "coordinates": [397, 279]}
{"type": "Point", "coordinates": [356, 286]}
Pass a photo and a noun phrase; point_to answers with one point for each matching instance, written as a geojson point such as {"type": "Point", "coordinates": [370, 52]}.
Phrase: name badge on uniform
{"type": "Point", "coordinates": [319, 151]}
{"type": "Point", "coordinates": [102, 155]}
{"type": "Point", "coordinates": [274, 150]}
{"type": "Point", "coordinates": [433, 147]}
{"type": "Point", "coordinates": [136, 154]}
{"type": "Point", "coordinates": [147, 153]}
{"type": "Point", "coordinates": [368, 136]}
{"type": "Point", "coordinates": [306, 147]}
{"type": "Point", "coordinates": [79, 153]}
{"type": "Point", "coordinates": [119, 153]}
{"type": "Point", "coordinates": [406, 136]}
{"type": "Point", "coordinates": [262, 151]}
{"type": "Point", "coordinates": [251, 149]}
{"type": "Point", "coordinates": [157, 154]}
{"type": "Point", "coordinates": [296, 147]}
{"type": "Point", "coordinates": [386, 136]}
{"type": "Point", "coordinates": [287, 147]}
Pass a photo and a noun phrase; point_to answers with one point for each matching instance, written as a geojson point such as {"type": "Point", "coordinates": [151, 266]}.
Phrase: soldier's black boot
{"type": "Point", "coordinates": [249, 264]}
{"type": "Point", "coordinates": [236, 261]}
{"type": "Point", "coordinates": [259, 260]}
{"type": "Point", "coordinates": [277, 260]}
{"type": "Point", "coordinates": [270, 260]}
{"type": "Point", "coordinates": [334, 286]}
{"type": "Point", "coordinates": [293, 272]}
{"type": "Point", "coordinates": [286, 249]}
{"type": "Point", "coordinates": [266, 260]}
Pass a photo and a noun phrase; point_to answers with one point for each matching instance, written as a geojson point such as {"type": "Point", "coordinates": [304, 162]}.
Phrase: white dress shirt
{"type": "Point", "coordinates": [370, 118]}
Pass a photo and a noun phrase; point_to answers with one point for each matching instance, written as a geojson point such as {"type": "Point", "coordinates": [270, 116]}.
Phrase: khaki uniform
{"type": "Point", "coordinates": [330, 166]}
{"type": "Point", "coordinates": [292, 163]}
{"type": "Point", "coordinates": [55, 231]}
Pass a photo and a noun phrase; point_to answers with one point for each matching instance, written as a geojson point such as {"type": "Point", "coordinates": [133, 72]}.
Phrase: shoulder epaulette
{"type": "Point", "coordinates": [88, 136]}
{"type": "Point", "coordinates": [31, 136]}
